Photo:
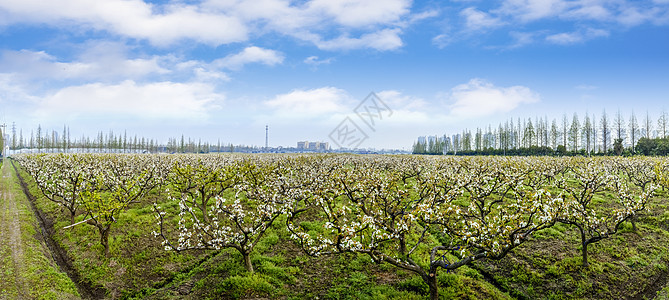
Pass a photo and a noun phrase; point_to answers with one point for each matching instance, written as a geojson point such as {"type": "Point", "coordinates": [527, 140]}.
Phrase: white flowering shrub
{"type": "Point", "coordinates": [225, 202]}
{"type": "Point", "coordinates": [103, 184]}
{"type": "Point", "coordinates": [62, 178]}
{"type": "Point", "coordinates": [595, 221]}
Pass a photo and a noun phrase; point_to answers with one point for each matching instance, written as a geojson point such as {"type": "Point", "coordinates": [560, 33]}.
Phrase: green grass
{"type": "Point", "coordinates": [550, 266]}
{"type": "Point", "coordinates": [38, 272]}
{"type": "Point", "coordinates": [663, 294]}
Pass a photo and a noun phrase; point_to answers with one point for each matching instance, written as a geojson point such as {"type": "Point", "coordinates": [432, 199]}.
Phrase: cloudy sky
{"type": "Point", "coordinates": [223, 69]}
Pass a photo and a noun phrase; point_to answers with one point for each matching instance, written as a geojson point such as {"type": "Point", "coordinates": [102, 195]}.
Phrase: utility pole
{"type": "Point", "coordinates": [4, 146]}
{"type": "Point", "coordinates": [266, 137]}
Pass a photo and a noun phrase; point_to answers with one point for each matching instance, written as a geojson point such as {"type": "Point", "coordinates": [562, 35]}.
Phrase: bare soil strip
{"type": "Point", "coordinates": [13, 285]}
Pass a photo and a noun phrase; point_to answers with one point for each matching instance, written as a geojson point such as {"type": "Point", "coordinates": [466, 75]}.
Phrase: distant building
{"type": "Point", "coordinates": [422, 140]}
{"type": "Point", "coordinates": [313, 146]}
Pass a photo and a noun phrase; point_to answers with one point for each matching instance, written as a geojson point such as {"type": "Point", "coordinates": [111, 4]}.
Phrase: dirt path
{"type": "Point", "coordinates": [13, 286]}
{"type": "Point", "coordinates": [26, 270]}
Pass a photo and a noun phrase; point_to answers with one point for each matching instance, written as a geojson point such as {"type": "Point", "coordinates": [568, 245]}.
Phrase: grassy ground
{"type": "Point", "coordinates": [630, 264]}
{"type": "Point", "coordinates": [27, 270]}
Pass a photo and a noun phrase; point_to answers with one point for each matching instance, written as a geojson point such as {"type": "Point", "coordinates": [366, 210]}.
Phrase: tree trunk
{"type": "Point", "coordinates": [584, 243]}
{"type": "Point", "coordinates": [431, 280]}
{"type": "Point", "coordinates": [247, 262]}
{"type": "Point", "coordinates": [585, 254]}
{"type": "Point", "coordinates": [104, 240]}
{"type": "Point", "coordinates": [205, 216]}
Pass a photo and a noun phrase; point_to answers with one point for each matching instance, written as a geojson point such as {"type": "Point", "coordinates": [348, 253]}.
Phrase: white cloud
{"type": "Point", "coordinates": [287, 17]}
{"type": "Point", "coordinates": [521, 39]}
{"type": "Point", "coordinates": [314, 61]}
{"type": "Point", "coordinates": [217, 22]}
{"type": "Point", "coordinates": [13, 93]}
{"type": "Point", "coordinates": [423, 15]}
{"type": "Point", "coordinates": [270, 15]}
{"type": "Point", "coordinates": [633, 15]}
{"type": "Point", "coordinates": [479, 98]}
{"type": "Point", "coordinates": [108, 62]}
{"type": "Point", "coordinates": [396, 100]}
{"type": "Point", "coordinates": [386, 39]}
{"type": "Point", "coordinates": [565, 38]}
{"type": "Point", "coordinates": [442, 40]}
{"type": "Point", "coordinates": [590, 11]}
{"type": "Point", "coordinates": [99, 61]}
{"type": "Point", "coordinates": [310, 103]}
{"type": "Point", "coordinates": [361, 13]}
{"type": "Point", "coordinates": [251, 54]}
{"type": "Point", "coordinates": [183, 22]}
{"type": "Point", "coordinates": [38, 64]}
{"type": "Point", "coordinates": [477, 20]}
{"type": "Point", "coordinates": [162, 25]}
{"type": "Point", "coordinates": [531, 10]}
{"type": "Point", "coordinates": [159, 100]}
{"type": "Point", "coordinates": [629, 13]}
{"type": "Point", "coordinates": [603, 14]}
{"type": "Point", "coordinates": [202, 74]}
{"type": "Point", "coordinates": [568, 38]}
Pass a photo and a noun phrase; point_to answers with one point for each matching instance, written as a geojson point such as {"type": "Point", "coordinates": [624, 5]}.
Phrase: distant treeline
{"type": "Point", "coordinates": [656, 146]}
{"type": "Point", "coordinates": [541, 136]}
{"type": "Point", "coordinates": [41, 140]}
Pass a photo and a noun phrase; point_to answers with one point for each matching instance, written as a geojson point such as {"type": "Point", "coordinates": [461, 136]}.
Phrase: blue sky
{"type": "Point", "coordinates": [223, 69]}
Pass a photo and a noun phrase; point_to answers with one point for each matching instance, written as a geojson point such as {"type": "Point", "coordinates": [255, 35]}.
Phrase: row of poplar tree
{"type": "Point", "coordinates": [540, 136]}
{"type": "Point", "coordinates": [41, 140]}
